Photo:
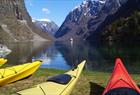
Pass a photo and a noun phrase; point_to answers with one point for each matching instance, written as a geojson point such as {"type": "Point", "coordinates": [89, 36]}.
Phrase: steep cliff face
{"type": "Point", "coordinates": [124, 11]}
{"type": "Point", "coordinates": [87, 20]}
{"type": "Point", "coordinates": [16, 24]}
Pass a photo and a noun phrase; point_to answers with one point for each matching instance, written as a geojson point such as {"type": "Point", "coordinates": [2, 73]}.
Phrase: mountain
{"type": "Point", "coordinates": [88, 20]}
{"type": "Point", "coordinates": [16, 24]}
{"type": "Point", "coordinates": [124, 30]}
{"type": "Point", "coordinates": [46, 26]}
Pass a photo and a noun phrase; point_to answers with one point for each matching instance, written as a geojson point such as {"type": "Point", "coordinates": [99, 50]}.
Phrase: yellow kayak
{"type": "Point", "coordinates": [14, 73]}
{"type": "Point", "coordinates": [57, 85]}
{"type": "Point", "coordinates": [2, 61]}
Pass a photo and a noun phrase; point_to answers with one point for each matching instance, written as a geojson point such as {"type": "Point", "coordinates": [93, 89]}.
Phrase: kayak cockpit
{"type": "Point", "coordinates": [60, 79]}
{"type": "Point", "coordinates": [122, 91]}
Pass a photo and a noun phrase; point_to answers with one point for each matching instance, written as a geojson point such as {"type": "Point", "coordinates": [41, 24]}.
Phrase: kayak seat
{"type": "Point", "coordinates": [61, 79]}
{"type": "Point", "coordinates": [122, 91]}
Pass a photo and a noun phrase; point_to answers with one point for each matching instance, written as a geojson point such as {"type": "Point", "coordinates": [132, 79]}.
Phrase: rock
{"type": "Point", "coordinates": [16, 24]}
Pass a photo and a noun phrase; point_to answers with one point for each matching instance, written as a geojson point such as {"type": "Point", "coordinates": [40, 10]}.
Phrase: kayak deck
{"type": "Point", "coordinates": [14, 73]}
{"type": "Point", "coordinates": [53, 88]}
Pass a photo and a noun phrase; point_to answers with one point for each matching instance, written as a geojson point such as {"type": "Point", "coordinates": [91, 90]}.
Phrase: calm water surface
{"type": "Point", "coordinates": [67, 55]}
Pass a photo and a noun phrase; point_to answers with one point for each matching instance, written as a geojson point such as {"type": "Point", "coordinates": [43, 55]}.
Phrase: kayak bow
{"type": "Point", "coordinates": [120, 82]}
{"type": "Point", "coordinates": [14, 73]}
{"type": "Point", "coordinates": [2, 61]}
{"type": "Point", "coordinates": [58, 85]}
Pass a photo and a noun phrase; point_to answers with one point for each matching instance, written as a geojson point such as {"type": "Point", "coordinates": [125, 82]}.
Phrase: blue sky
{"type": "Point", "coordinates": [55, 10]}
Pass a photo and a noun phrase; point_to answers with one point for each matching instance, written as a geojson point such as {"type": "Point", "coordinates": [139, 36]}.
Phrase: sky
{"type": "Point", "coordinates": [55, 10]}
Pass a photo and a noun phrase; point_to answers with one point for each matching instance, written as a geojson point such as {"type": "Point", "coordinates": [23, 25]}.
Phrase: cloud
{"type": "Point", "coordinates": [30, 3]}
{"type": "Point", "coordinates": [45, 10]}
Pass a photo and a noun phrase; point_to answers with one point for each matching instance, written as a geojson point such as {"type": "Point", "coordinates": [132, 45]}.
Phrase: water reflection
{"type": "Point", "coordinates": [4, 51]}
{"type": "Point", "coordinates": [101, 57]}
{"type": "Point", "coordinates": [66, 55]}
{"type": "Point", "coordinates": [52, 58]}
{"type": "Point", "coordinates": [23, 52]}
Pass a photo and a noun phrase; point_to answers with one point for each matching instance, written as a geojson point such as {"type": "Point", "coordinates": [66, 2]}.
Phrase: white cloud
{"type": "Point", "coordinates": [45, 10]}
{"type": "Point", "coordinates": [31, 4]}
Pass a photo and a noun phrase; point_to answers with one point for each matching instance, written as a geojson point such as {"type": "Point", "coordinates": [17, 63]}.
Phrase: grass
{"type": "Point", "coordinates": [90, 83]}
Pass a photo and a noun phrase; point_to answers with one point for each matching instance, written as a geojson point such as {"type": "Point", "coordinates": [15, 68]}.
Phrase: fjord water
{"type": "Point", "coordinates": [66, 55]}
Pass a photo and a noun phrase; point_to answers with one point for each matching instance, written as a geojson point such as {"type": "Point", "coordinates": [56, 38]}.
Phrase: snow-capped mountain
{"type": "Point", "coordinates": [46, 25]}
{"type": "Point", "coordinates": [89, 7]}
{"type": "Point", "coordinates": [87, 20]}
